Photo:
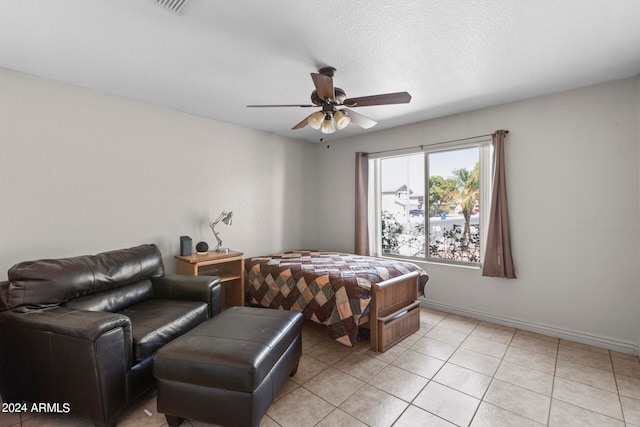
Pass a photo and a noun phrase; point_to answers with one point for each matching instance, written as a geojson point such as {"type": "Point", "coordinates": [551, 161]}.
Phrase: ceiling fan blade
{"type": "Point", "coordinates": [324, 86]}
{"type": "Point", "coordinates": [384, 99]}
{"type": "Point", "coordinates": [282, 105]}
{"type": "Point", "coordinates": [303, 123]}
{"type": "Point", "coordinates": [363, 121]}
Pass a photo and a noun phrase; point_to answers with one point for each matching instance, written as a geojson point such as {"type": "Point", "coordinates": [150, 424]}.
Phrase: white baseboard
{"type": "Point", "coordinates": [581, 337]}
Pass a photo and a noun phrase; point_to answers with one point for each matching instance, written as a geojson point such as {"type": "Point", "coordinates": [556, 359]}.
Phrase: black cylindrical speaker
{"type": "Point", "coordinates": [186, 246]}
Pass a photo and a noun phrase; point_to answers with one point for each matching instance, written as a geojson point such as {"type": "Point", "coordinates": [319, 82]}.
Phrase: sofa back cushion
{"type": "Point", "coordinates": [116, 299]}
{"type": "Point", "coordinates": [55, 281]}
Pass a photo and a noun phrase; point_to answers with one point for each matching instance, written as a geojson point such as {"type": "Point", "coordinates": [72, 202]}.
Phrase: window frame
{"type": "Point", "coordinates": [485, 158]}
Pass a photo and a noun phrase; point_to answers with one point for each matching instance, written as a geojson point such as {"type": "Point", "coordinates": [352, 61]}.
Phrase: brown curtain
{"type": "Point", "coordinates": [497, 260]}
{"type": "Point", "coordinates": [361, 245]}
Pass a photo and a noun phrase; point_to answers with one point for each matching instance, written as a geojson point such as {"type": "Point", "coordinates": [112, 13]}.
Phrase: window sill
{"type": "Point", "coordinates": [470, 266]}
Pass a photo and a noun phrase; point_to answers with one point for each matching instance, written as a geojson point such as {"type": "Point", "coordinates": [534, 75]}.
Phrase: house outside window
{"type": "Point", "coordinates": [431, 204]}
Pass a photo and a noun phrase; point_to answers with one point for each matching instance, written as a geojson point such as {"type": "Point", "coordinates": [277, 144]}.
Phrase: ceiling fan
{"type": "Point", "coordinates": [333, 102]}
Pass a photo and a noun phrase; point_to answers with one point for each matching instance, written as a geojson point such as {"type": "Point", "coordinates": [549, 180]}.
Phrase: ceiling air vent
{"type": "Point", "coordinates": [174, 6]}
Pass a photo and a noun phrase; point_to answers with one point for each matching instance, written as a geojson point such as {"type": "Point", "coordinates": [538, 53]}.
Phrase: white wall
{"type": "Point", "coordinates": [573, 182]}
{"type": "Point", "coordinates": [83, 172]}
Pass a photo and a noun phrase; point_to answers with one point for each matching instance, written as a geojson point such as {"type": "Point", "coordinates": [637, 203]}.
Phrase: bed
{"type": "Point", "coordinates": [343, 291]}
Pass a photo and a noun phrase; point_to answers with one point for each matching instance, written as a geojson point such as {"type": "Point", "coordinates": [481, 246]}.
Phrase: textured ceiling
{"type": "Point", "coordinates": [217, 57]}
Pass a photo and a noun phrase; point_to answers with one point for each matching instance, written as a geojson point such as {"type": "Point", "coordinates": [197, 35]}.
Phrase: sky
{"type": "Point", "coordinates": [396, 171]}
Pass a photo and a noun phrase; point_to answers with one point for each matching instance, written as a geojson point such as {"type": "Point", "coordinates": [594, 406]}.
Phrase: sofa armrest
{"type": "Point", "coordinates": [59, 354]}
{"type": "Point", "coordinates": [4, 295]}
{"type": "Point", "coordinates": [88, 325]}
{"type": "Point", "coordinates": [197, 288]}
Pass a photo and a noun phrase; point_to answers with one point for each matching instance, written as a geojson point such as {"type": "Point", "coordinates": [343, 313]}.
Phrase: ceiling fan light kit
{"type": "Point", "coordinates": [315, 120]}
{"type": "Point", "coordinates": [342, 120]}
{"type": "Point", "coordinates": [332, 101]}
{"type": "Point", "coordinates": [328, 125]}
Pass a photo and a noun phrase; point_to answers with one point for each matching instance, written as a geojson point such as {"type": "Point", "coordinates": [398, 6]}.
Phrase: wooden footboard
{"type": "Point", "coordinates": [394, 311]}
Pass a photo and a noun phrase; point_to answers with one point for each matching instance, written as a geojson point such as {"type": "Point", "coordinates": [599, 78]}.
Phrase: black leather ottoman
{"type": "Point", "coordinates": [229, 369]}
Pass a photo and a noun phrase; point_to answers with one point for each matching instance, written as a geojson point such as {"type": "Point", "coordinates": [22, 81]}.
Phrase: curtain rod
{"type": "Point", "coordinates": [437, 143]}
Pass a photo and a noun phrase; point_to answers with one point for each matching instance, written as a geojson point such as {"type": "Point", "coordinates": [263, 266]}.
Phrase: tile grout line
{"type": "Point", "coordinates": [490, 382]}
{"type": "Point", "coordinates": [493, 377]}
{"type": "Point", "coordinates": [553, 383]}
{"type": "Point", "coordinates": [428, 379]}
{"type": "Point", "coordinates": [615, 378]}
{"type": "Point", "coordinates": [337, 407]}
{"type": "Point", "coordinates": [481, 400]}
{"type": "Point", "coordinates": [611, 358]}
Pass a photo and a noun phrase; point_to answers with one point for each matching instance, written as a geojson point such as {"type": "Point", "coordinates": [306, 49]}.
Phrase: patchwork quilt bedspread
{"type": "Point", "coordinates": [327, 287]}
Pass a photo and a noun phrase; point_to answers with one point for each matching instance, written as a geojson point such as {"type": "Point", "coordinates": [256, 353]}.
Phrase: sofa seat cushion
{"type": "Point", "coordinates": [235, 350]}
{"type": "Point", "coordinates": [155, 322]}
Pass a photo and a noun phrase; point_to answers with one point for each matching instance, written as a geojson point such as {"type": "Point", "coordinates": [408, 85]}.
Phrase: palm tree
{"type": "Point", "coordinates": [467, 194]}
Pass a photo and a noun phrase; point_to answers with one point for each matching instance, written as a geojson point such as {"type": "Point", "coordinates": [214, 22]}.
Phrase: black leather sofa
{"type": "Point", "coordinates": [83, 330]}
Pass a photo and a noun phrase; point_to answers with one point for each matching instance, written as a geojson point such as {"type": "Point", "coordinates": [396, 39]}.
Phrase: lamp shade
{"type": "Point", "coordinates": [342, 120]}
{"type": "Point", "coordinates": [227, 219]}
{"type": "Point", "coordinates": [328, 124]}
{"type": "Point", "coordinates": [315, 120]}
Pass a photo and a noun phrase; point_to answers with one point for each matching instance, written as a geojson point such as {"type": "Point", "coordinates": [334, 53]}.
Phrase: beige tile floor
{"type": "Point", "coordinates": [453, 371]}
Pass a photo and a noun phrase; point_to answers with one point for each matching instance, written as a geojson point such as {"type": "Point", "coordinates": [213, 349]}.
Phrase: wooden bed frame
{"type": "Point", "coordinates": [394, 311]}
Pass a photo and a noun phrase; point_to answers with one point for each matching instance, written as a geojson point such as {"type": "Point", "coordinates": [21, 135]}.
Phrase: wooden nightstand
{"type": "Point", "coordinates": [229, 266]}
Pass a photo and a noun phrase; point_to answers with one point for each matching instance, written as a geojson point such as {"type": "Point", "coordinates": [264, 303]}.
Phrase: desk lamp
{"type": "Point", "coordinates": [226, 218]}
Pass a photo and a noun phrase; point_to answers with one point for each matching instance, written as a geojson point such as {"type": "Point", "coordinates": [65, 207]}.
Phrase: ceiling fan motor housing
{"type": "Point", "coordinates": [327, 71]}
{"type": "Point", "coordinates": [338, 97]}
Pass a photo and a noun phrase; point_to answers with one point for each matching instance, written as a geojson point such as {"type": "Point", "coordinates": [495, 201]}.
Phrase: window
{"type": "Point", "coordinates": [430, 203]}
